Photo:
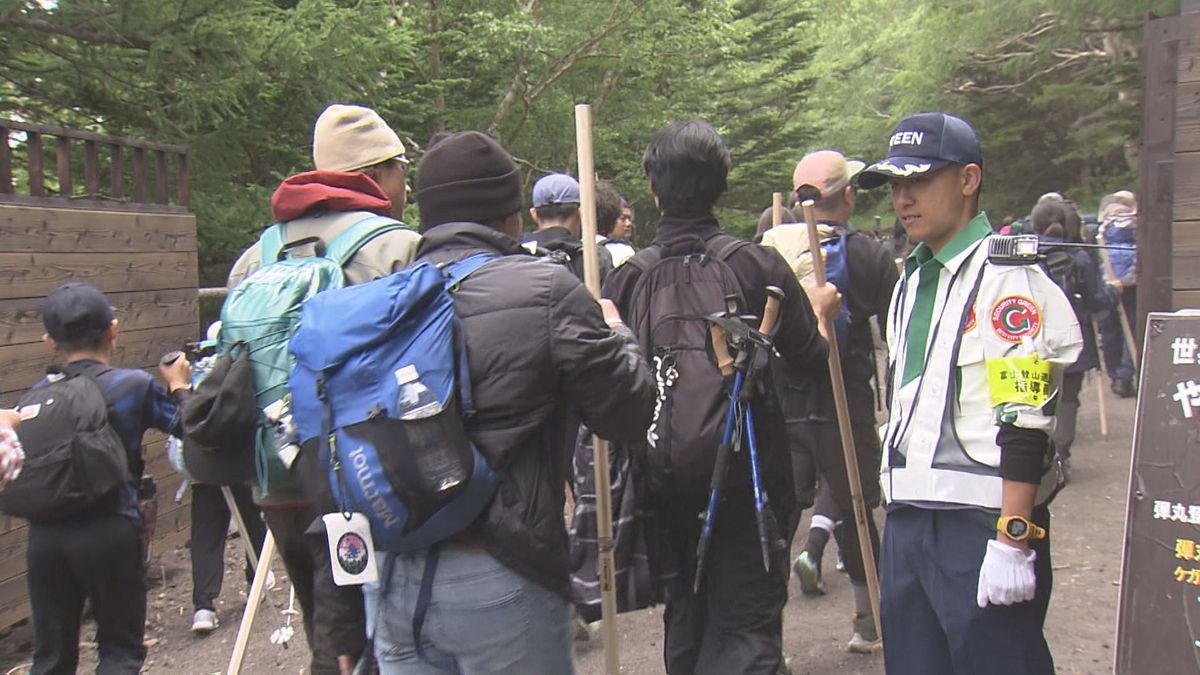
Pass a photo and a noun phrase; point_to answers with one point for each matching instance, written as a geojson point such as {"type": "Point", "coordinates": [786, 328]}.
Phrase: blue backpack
{"type": "Point", "coordinates": [378, 367]}
{"type": "Point", "coordinates": [837, 272]}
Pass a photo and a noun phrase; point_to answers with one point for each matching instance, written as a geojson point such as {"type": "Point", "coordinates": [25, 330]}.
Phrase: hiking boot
{"type": "Point", "coordinates": [204, 621]}
{"type": "Point", "coordinates": [808, 570]}
{"type": "Point", "coordinates": [841, 564]}
{"type": "Point", "coordinates": [865, 639]}
{"type": "Point", "coordinates": [1124, 388]}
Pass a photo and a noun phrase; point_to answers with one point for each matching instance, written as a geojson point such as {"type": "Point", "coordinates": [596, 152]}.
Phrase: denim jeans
{"type": "Point", "coordinates": [482, 616]}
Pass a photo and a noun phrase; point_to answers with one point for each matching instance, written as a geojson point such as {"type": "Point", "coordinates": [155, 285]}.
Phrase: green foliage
{"type": "Point", "coordinates": [1053, 87]}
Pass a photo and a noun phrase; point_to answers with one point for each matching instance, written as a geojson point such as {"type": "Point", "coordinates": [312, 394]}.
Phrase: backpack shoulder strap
{"type": "Point", "coordinates": [725, 251]}
{"type": "Point", "coordinates": [646, 258]}
{"type": "Point", "coordinates": [271, 243]}
{"type": "Point", "coordinates": [349, 242]}
{"type": "Point", "coordinates": [457, 272]}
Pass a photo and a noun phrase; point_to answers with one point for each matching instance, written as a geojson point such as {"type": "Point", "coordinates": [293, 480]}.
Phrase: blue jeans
{"type": "Point", "coordinates": [482, 616]}
{"type": "Point", "coordinates": [929, 575]}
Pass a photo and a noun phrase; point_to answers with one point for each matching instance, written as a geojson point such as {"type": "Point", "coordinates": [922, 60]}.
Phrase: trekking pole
{"type": "Point", "coordinates": [724, 450]}
{"type": "Point", "coordinates": [1103, 405]}
{"type": "Point", "coordinates": [762, 513]}
{"type": "Point", "coordinates": [777, 209]}
{"type": "Point", "coordinates": [808, 195]}
{"type": "Point", "coordinates": [253, 597]}
{"type": "Point", "coordinates": [1126, 327]}
{"type": "Point", "coordinates": [240, 524]}
{"type": "Point", "coordinates": [591, 275]}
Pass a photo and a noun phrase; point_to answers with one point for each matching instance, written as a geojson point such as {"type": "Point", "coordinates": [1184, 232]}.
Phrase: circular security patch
{"type": "Point", "coordinates": [352, 553]}
{"type": "Point", "coordinates": [1016, 317]}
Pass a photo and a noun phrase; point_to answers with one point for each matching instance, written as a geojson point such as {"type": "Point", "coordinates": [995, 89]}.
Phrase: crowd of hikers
{"type": "Point", "coordinates": [409, 414]}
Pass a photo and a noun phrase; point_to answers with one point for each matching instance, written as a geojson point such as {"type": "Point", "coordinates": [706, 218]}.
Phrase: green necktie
{"type": "Point", "coordinates": [918, 325]}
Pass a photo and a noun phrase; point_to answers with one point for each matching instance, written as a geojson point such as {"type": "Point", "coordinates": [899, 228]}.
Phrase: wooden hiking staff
{"type": "Point", "coordinates": [777, 209]}
{"type": "Point", "coordinates": [591, 275]}
{"type": "Point", "coordinates": [252, 600]}
{"type": "Point", "coordinates": [1126, 328]}
{"type": "Point", "coordinates": [808, 195]}
{"type": "Point", "coordinates": [240, 524]}
{"type": "Point", "coordinates": [1100, 383]}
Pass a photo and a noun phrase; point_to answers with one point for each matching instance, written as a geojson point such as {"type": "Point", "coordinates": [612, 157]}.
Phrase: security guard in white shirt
{"type": "Point", "coordinates": [977, 349]}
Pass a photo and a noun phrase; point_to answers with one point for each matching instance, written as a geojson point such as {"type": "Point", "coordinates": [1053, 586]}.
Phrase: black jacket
{"type": "Point", "coordinates": [563, 246]}
{"type": "Point", "coordinates": [537, 347]}
{"type": "Point", "coordinates": [803, 350]}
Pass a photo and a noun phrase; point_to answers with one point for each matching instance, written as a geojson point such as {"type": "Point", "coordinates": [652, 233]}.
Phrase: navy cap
{"type": "Point", "coordinates": [75, 310]}
{"type": "Point", "coordinates": [921, 144]}
{"type": "Point", "coordinates": [556, 188]}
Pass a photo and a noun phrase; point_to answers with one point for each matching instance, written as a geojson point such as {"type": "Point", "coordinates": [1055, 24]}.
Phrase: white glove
{"type": "Point", "coordinates": [1006, 576]}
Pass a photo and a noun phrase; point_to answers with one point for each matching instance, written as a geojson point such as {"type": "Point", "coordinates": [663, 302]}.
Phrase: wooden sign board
{"type": "Point", "coordinates": [1158, 619]}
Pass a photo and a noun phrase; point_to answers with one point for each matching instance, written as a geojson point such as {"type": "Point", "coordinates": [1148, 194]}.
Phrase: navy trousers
{"type": "Point", "coordinates": [929, 577]}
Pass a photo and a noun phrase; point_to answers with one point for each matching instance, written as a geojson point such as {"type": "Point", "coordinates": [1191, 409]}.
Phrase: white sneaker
{"type": "Point", "coordinates": [204, 621]}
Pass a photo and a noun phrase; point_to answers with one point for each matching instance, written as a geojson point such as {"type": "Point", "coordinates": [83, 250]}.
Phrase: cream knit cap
{"type": "Point", "coordinates": [351, 137]}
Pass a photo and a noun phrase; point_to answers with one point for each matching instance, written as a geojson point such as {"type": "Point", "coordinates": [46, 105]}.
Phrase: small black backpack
{"type": "Point", "coordinates": [1059, 265]}
{"type": "Point", "coordinates": [73, 456]}
{"type": "Point", "coordinates": [679, 287]}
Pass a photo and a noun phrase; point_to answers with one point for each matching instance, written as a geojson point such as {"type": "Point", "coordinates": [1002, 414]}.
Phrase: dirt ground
{"type": "Point", "coordinates": [1087, 532]}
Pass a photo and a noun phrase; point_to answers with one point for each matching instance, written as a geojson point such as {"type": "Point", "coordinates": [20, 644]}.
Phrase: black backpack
{"type": "Point", "coordinates": [73, 456]}
{"type": "Point", "coordinates": [1059, 265]}
{"type": "Point", "coordinates": [679, 287]}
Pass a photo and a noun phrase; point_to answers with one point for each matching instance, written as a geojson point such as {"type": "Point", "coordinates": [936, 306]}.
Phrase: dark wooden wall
{"type": "Point", "coordinates": [143, 257]}
{"type": "Point", "coordinates": [1185, 240]}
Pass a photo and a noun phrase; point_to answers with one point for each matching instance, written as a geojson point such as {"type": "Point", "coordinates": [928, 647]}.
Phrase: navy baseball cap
{"type": "Point", "coordinates": [75, 310]}
{"type": "Point", "coordinates": [921, 144]}
{"type": "Point", "coordinates": [556, 188]}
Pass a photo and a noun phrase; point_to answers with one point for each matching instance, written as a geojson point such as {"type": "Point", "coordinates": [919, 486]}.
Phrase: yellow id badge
{"type": "Point", "coordinates": [1019, 379]}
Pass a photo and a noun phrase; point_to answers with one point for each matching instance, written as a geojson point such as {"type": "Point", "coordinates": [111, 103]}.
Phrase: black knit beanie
{"type": "Point", "coordinates": [467, 177]}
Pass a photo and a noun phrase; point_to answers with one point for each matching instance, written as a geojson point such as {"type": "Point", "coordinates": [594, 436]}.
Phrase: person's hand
{"type": "Point", "coordinates": [611, 315]}
{"type": "Point", "coordinates": [177, 374]}
{"type": "Point", "coordinates": [826, 300]}
{"type": "Point", "coordinates": [1116, 283]}
{"type": "Point", "coordinates": [1006, 576]}
{"type": "Point", "coordinates": [9, 418]}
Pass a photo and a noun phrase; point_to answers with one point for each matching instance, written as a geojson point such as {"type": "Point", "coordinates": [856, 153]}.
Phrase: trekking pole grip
{"type": "Point", "coordinates": [721, 350]}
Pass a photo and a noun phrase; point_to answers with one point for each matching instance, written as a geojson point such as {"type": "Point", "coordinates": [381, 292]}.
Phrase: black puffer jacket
{"type": "Point", "coordinates": [538, 347]}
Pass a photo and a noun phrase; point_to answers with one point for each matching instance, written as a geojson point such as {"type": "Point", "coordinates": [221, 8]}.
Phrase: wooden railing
{"type": "Point", "coordinates": [25, 152]}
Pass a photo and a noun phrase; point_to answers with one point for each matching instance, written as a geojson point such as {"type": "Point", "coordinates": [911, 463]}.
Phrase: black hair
{"type": "Point", "coordinates": [688, 167]}
{"type": "Point", "coordinates": [1049, 219]}
{"type": "Point", "coordinates": [556, 211]}
{"type": "Point", "coordinates": [608, 207]}
{"type": "Point", "coordinates": [90, 341]}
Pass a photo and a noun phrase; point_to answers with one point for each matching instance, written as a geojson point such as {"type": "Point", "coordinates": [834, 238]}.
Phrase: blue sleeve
{"type": "Point", "coordinates": [159, 410]}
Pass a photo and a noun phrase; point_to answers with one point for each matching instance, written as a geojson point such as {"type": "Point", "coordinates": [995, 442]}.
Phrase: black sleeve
{"type": "Point", "coordinates": [1022, 453]}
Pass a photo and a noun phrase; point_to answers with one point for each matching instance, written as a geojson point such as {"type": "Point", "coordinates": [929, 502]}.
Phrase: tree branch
{"type": "Point", "coordinates": [82, 35]}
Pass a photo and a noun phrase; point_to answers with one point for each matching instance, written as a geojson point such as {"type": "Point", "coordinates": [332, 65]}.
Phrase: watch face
{"type": "Point", "coordinates": [1017, 529]}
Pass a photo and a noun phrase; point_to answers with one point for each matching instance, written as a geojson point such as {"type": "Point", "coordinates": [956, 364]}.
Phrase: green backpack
{"type": "Point", "coordinates": [263, 313]}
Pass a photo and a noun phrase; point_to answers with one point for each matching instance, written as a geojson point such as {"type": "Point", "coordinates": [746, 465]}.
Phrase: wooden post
{"type": "Point", "coordinates": [139, 175]}
{"type": "Point", "coordinates": [160, 177]}
{"type": "Point", "coordinates": [591, 275]}
{"type": "Point", "coordinates": [62, 155]}
{"type": "Point", "coordinates": [117, 172]}
{"type": "Point", "coordinates": [91, 168]}
{"type": "Point", "coordinates": [777, 209]}
{"type": "Point", "coordinates": [37, 173]}
{"type": "Point", "coordinates": [252, 602]}
{"type": "Point", "coordinates": [182, 179]}
{"type": "Point", "coordinates": [836, 378]}
{"type": "Point", "coordinates": [6, 185]}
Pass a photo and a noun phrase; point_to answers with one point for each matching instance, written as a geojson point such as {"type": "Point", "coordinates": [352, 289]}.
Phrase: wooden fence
{"type": "Point", "coordinates": [112, 211]}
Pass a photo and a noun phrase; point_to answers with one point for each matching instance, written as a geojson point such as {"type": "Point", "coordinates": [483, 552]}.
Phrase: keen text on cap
{"type": "Point", "coordinates": [921, 144]}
